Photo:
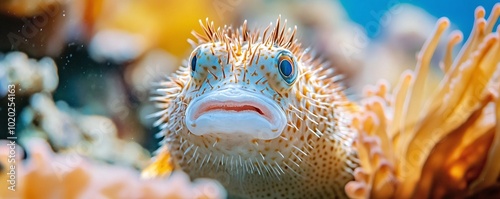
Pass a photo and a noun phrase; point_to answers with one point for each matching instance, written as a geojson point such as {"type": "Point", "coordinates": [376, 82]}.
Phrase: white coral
{"type": "Point", "coordinates": [31, 75]}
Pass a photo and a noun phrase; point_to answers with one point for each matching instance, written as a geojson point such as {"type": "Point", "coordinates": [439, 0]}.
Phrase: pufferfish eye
{"type": "Point", "coordinates": [193, 62]}
{"type": "Point", "coordinates": [287, 67]}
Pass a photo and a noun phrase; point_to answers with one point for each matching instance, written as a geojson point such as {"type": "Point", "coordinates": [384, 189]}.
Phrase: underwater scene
{"type": "Point", "coordinates": [204, 99]}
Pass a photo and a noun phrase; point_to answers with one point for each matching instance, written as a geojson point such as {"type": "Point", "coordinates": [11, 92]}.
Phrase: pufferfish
{"type": "Point", "coordinates": [258, 113]}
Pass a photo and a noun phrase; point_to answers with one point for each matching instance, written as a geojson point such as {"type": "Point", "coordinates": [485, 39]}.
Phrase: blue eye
{"type": "Point", "coordinates": [287, 69]}
{"type": "Point", "coordinates": [193, 62]}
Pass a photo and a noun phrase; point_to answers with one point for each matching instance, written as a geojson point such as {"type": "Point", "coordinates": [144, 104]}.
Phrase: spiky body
{"type": "Point", "coordinates": [311, 158]}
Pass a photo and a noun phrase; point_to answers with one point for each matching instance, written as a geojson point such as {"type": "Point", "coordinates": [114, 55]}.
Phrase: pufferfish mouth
{"type": "Point", "coordinates": [234, 106]}
{"type": "Point", "coordinates": [237, 112]}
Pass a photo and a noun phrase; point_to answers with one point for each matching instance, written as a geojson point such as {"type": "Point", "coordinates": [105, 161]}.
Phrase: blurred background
{"type": "Point", "coordinates": [84, 69]}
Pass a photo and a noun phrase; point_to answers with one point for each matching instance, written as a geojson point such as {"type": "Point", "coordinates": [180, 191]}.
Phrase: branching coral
{"type": "Point", "coordinates": [67, 130]}
{"type": "Point", "coordinates": [49, 175]}
{"type": "Point", "coordinates": [412, 145]}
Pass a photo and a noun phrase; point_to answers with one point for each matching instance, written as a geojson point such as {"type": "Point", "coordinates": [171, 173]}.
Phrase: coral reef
{"type": "Point", "coordinates": [70, 131]}
{"type": "Point", "coordinates": [427, 137]}
{"type": "Point", "coordinates": [49, 175]}
{"type": "Point", "coordinates": [32, 76]}
{"type": "Point", "coordinates": [444, 145]}
{"type": "Point", "coordinates": [91, 161]}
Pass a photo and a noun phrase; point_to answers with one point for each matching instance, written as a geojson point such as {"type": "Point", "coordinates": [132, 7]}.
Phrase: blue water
{"type": "Point", "coordinates": [460, 12]}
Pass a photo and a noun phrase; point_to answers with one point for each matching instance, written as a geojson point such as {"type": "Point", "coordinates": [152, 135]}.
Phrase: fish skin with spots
{"type": "Point", "coordinates": [257, 112]}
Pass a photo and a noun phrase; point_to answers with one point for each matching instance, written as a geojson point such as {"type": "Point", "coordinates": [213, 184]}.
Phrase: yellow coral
{"type": "Point", "coordinates": [412, 145]}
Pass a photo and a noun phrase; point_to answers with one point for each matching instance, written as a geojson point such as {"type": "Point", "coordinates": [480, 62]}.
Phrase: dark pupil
{"type": "Point", "coordinates": [193, 63]}
{"type": "Point", "coordinates": [286, 67]}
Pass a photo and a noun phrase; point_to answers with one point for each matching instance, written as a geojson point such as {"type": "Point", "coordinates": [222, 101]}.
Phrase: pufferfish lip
{"type": "Point", "coordinates": [235, 111]}
{"type": "Point", "coordinates": [234, 106]}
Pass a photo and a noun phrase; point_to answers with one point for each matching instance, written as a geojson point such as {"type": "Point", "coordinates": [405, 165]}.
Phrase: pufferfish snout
{"type": "Point", "coordinates": [217, 113]}
{"type": "Point", "coordinates": [258, 113]}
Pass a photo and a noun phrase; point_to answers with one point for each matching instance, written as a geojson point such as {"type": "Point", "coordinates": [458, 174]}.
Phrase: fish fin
{"type": "Point", "coordinates": [162, 166]}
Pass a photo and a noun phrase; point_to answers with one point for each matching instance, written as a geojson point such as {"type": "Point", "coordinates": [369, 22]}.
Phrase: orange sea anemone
{"type": "Point", "coordinates": [412, 145]}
